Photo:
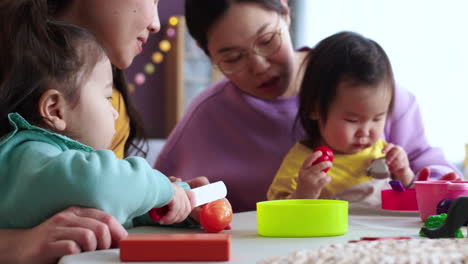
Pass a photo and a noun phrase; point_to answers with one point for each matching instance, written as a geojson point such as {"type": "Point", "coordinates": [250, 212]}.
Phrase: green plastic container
{"type": "Point", "coordinates": [302, 218]}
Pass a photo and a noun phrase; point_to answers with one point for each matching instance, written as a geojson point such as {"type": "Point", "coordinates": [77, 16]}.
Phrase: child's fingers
{"type": "Point", "coordinates": [191, 197]}
{"type": "Point", "coordinates": [322, 165]}
{"type": "Point", "coordinates": [174, 179]}
{"type": "Point", "coordinates": [387, 147]}
{"type": "Point", "coordinates": [171, 215]}
{"type": "Point", "coordinates": [324, 180]}
{"type": "Point", "coordinates": [198, 181]}
{"type": "Point", "coordinates": [395, 165]}
{"type": "Point", "coordinates": [308, 162]}
{"type": "Point", "coordinates": [315, 169]}
{"type": "Point", "coordinates": [180, 206]}
{"type": "Point", "coordinates": [391, 155]}
{"type": "Point", "coordinates": [187, 207]}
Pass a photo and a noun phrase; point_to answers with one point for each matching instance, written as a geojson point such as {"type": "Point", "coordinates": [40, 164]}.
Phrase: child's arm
{"type": "Point", "coordinates": [47, 180]}
{"type": "Point", "coordinates": [398, 164]}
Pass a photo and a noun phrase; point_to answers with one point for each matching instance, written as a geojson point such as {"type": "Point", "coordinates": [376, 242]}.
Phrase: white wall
{"type": "Point", "coordinates": [427, 43]}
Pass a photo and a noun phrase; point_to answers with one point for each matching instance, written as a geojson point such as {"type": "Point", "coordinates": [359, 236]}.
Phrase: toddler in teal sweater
{"type": "Point", "coordinates": [56, 122]}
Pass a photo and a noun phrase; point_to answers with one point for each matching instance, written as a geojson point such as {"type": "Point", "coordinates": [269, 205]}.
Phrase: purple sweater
{"type": "Point", "coordinates": [231, 136]}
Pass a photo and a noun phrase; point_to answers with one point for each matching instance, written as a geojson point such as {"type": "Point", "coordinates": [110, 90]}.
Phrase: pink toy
{"type": "Point", "coordinates": [430, 193]}
{"type": "Point", "coordinates": [399, 200]}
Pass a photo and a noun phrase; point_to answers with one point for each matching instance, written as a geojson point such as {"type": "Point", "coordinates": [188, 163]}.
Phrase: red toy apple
{"type": "Point", "coordinates": [216, 216]}
{"type": "Point", "coordinates": [327, 155]}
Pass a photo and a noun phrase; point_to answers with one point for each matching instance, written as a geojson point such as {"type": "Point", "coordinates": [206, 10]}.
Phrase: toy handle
{"type": "Point", "coordinates": [157, 213]}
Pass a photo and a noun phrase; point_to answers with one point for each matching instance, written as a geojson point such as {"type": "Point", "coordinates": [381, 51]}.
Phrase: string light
{"type": "Point", "coordinates": [165, 45]}
{"type": "Point", "coordinates": [171, 32]}
{"type": "Point", "coordinates": [149, 68]}
{"type": "Point", "coordinates": [173, 21]}
{"type": "Point", "coordinates": [140, 78]}
{"type": "Point", "coordinates": [131, 88]}
{"type": "Point", "coordinates": [157, 57]}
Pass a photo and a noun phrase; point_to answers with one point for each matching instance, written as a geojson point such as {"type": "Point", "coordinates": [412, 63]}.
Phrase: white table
{"type": "Point", "coordinates": [249, 247]}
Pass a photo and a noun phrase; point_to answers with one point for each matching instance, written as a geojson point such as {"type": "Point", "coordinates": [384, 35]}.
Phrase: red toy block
{"type": "Point", "coordinates": [176, 247]}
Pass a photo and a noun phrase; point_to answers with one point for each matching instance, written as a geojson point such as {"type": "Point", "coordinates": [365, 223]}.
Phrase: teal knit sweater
{"type": "Point", "coordinates": [42, 173]}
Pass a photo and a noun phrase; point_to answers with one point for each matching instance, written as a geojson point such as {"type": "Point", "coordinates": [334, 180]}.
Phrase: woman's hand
{"type": "Point", "coordinates": [311, 178]}
{"type": "Point", "coordinates": [425, 173]}
{"type": "Point", "coordinates": [398, 164]}
{"type": "Point", "coordinates": [71, 231]}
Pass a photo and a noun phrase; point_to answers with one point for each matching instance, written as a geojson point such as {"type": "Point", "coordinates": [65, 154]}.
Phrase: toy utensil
{"type": "Point", "coordinates": [203, 194]}
{"type": "Point", "coordinates": [378, 169]}
{"type": "Point", "coordinates": [397, 186]}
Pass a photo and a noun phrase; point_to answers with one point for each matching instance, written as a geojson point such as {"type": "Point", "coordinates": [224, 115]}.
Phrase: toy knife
{"type": "Point", "coordinates": [378, 169]}
{"type": "Point", "coordinates": [203, 194]}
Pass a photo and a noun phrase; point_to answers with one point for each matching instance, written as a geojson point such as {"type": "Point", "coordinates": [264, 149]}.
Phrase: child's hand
{"type": "Point", "coordinates": [311, 178]}
{"type": "Point", "coordinates": [398, 164]}
{"type": "Point", "coordinates": [174, 179]}
{"type": "Point", "coordinates": [179, 207]}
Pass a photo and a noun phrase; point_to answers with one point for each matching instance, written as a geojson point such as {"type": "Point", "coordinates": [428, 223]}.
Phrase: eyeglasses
{"type": "Point", "coordinates": [265, 45]}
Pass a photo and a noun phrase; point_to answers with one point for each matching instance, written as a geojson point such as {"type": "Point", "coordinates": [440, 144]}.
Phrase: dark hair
{"type": "Point", "coordinates": [345, 56]}
{"type": "Point", "coordinates": [51, 54]}
{"type": "Point", "coordinates": [19, 19]}
{"type": "Point", "coordinates": [201, 15]}
{"type": "Point", "coordinates": [136, 143]}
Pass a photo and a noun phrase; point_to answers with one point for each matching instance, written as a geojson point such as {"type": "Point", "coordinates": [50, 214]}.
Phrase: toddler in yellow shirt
{"type": "Point", "coordinates": [345, 98]}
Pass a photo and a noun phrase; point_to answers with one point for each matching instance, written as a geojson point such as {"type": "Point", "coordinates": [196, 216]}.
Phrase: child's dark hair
{"type": "Point", "coordinates": [345, 56]}
{"type": "Point", "coordinates": [201, 15]}
{"type": "Point", "coordinates": [23, 23]}
{"type": "Point", "coordinates": [61, 57]}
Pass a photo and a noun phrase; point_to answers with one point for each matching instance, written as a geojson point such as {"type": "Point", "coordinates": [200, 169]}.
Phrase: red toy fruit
{"type": "Point", "coordinates": [216, 216]}
{"type": "Point", "coordinates": [327, 155]}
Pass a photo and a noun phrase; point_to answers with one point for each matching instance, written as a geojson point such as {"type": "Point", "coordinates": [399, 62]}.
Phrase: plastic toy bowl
{"type": "Point", "coordinates": [430, 193]}
{"type": "Point", "coordinates": [302, 218]}
{"type": "Point", "coordinates": [399, 201]}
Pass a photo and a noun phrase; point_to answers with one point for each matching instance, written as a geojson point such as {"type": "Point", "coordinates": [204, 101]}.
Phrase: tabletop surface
{"type": "Point", "coordinates": [249, 247]}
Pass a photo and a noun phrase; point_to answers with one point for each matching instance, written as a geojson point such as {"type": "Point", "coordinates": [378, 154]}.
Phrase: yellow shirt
{"type": "Point", "coordinates": [122, 125]}
{"type": "Point", "coordinates": [346, 172]}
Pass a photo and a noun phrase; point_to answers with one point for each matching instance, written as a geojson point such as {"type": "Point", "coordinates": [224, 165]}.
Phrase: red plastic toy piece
{"type": "Point", "coordinates": [216, 216]}
{"type": "Point", "coordinates": [378, 238]}
{"type": "Point", "coordinates": [399, 201]}
{"type": "Point", "coordinates": [157, 213]}
{"type": "Point", "coordinates": [176, 247]}
{"type": "Point", "coordinates": [327, 155]}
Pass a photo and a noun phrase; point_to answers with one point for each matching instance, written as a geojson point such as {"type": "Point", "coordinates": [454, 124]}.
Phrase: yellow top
{"type": "Point", "coordinates": [122, 125]}
{"type": "Point", "coordinates": [466, 155]}
{"type": "Point", "coordinates": [346, 172]}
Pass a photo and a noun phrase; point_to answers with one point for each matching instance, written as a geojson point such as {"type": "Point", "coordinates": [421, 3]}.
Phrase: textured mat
{"type": "Point", "coordinates": [383, 251]}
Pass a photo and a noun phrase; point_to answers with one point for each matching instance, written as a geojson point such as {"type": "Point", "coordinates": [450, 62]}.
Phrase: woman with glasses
{"type": "Point", "coordinates": [240, 129]}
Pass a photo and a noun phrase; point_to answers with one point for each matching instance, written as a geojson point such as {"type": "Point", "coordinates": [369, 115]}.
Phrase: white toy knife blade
{"type": "Point", "coordinates": [203, 194]}
{"type": "Point", "coordinates": [210, 192]}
